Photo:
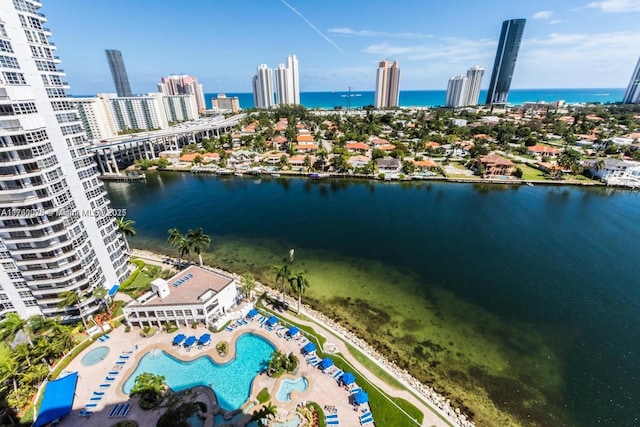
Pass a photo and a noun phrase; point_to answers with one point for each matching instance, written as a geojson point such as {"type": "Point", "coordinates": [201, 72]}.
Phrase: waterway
{"type": "Point", "coordinates": [520, 303]}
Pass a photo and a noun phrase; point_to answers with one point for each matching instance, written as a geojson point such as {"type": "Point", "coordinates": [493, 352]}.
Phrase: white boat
{"type": "Point", "coordinates": [238, 174]}
{"type": "Point", "coordinates": [529, 184]}
{"type": "Point", "coordinates": [275, 175]}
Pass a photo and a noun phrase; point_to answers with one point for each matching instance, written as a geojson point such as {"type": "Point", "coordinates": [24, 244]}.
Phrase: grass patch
{"type": "Point", "coordinates": [375, 369]}
{"type": "Point", "coordinates": [531, 174]}
{"type": "Point", "coordinates": [263, 396]}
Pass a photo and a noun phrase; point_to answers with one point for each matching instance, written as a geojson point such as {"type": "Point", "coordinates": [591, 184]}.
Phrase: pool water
{"type": "Point", "coordinates": [96, 355]}
{"type": "Point", "coordinates": [195, 421]}
{"type": "Point", "coordinates": [231, 381]}
{"type": "Point", "coordinates": [293, 422]}
{"type": "Point", "coordinates": [287, 386]}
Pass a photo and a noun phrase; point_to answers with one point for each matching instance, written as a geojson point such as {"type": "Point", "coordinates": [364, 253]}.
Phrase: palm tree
{"type": "Point", "coordinates": [11, 325]}
{"type": "Point", "coordinates": [72, 298]}
{"type": "Point", "coordinates": [299, 283]}
{"type": "Point", "coordinates": [282, 275]}
{"type": "Point", "coordinates": [100, 293]}
{"type": "Point", "coordinates": [197, 241]}
{"type": "Point", "coordinates": [126, 228]}
{"type": "Point", "coordinates": [248, 284]}
{"type": "Point", "coordinates": [9, 366]}
{"type": "Point", "coordinates": [264, 414]}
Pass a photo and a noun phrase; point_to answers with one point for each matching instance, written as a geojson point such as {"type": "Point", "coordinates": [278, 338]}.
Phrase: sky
{"type": "Point", "coordinates": [338, 43]}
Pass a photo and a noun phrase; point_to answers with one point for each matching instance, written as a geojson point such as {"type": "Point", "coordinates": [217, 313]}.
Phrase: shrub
{"type": "Point", "coordinates": [194, 324]}
{"type": "Point", "coordinates": [263, 396]}
{"type": "Point", "coordinates": [222, 348]}
{"type": "Point", "coordinates": [127, 328]}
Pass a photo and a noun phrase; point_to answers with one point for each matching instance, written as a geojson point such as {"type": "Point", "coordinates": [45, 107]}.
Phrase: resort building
{"type": "Point", "coordinates": [223, 103]}
{"type": "Point", "coordinates": [505, 62]}
{"type": "Point", "coordinates": [496, 166]}
{"type": "Point", "coordinates": [456, 92]}
{"type": "Point", "coordinates": [632, 95]}
{"type": "Point", "coordinates": [192, 295]}
{"type": "Point", "coordinates": [183, 85]}
{"type": "Point", "coordinates": [57, 232]}
{"type": "Point", "coordinates": [118, 72]}
{"type": "Point", "coordinates": [387, 85]}
{"type": "Point", "coordinates": [96, 118]}
{"type": "Point", "coordinates": [288, 82]}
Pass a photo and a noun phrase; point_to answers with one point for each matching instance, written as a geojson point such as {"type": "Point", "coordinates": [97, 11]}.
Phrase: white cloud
{"type": "Point", "coordinates": [450, 49]}
{"type": "Point", "coordinates": [616, 6]}
{"type": "Point", "coordinates": [369, 33]}
{"type": "Point", "coordinates": [543, 14]}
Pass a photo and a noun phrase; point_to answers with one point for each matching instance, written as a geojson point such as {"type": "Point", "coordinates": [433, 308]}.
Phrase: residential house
{"type": "Point", "coordinates": [357, 147]}
{"type": "Point", "coordinates": [544, 150]}
{"type": "Point", "coordinates": [358, 161]}
{"type": "Point", "coordinates": [605, 169]}
{"type": "Point", "coordinates": [389, 165]}
{"type": "Point", "coordinates": [495, 166]}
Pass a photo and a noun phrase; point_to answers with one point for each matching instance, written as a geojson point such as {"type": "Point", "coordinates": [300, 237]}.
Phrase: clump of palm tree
{"type": "Point", "coordinates": [299, 283]}
{"type": "Point", "coordinates": [194, 240]}
{"type": "Point", "coordinates": [282, 276]}
{"type": "Point", "coordinates": [70, 299]}
{"type": "Point", "coordinates": [265, 414]}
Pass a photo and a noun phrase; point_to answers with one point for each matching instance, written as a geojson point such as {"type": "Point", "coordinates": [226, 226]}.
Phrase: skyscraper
{"type": "Point", "coordinates": [118, 72]}
{"type": "Point", "coordinates": [505, 62]}
{"type": "Point", "coordinates": [387, 85]}
{"type": "Point", "coordinates": [457, 92]}
{"type": "Point", "coordinates": [287, 82]}
{"type": "Point", "coordinates": [474, 80]}
{"type": "Point", "coordinates": [263, 87]}
{"type": "Point", "coordinates": [183, 85]}
{"type": "Point", "coordinates": [632, 95]}
{"type": "Point", "coordinates": [57, 232]}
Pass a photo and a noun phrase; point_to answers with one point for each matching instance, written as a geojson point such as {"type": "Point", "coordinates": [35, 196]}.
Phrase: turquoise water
{"type": "Point", "coordinates": [95, 356]}
{"type": "Point", "coordinates": [543, 274]}
{"type": "Point", "coordinates": [231, 382]}
{"type": "Point", "coordinates": [195, 421]}
{"type": "Point", "coordinates": [431, 98]}
{"type": "Point", "coordinates": [287, 386]}
{"type": "Point", "coordinates": [294, 422]}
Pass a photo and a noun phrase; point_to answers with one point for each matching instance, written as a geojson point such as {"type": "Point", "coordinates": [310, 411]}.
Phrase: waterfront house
{"type": "Point", "coordinates": [389, 164]}
{"type": "Point", "coordinates": [425, 165]}
{"type": "Point", "coordinates": [357, 147]}
{"type": "Point", "coordinates": [544, 150]}
{"type": "Point", "coordinates": [358, 161]}
{"type": "Point", "coordinates": [495, 166]}
{"type": "Point", "coordinates": [297, 162]}
{"type": "Point", "coordinates": [194, 295]}
{"type": "Point", "coordinates": [614, 171]}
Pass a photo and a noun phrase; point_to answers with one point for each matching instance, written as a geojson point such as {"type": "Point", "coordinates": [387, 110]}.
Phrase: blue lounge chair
{"type": "Point", "coordinates": [101, 339]}
{"type": "Point", "coordinates": [110, 379]}
{"type": "Point", "coordinates": [338, 374]}
{"type": "Point", "coordinates": [106, 336]}
{"type": "Point", "coordinates": [331, 416]}
{"type": "Point", "coordinates": [356, 390]}
{"type": "Point", "coordinates": [84, 413]}
{"type": "Point", "coordinates": [98, 393]}
{"type": "Point", "coordinates": [366, 420]}
{"type": "Point", "coordinates": [115, 410]}
{"type": "Point", "coordinates": [114, 372]}
{"type": "Point", "coordinates": [104, 385]}
{"type": "Point", "coordinates": [96, 399]}
{"type": "Point", "coordinates": [122, 356]}
{"type": "Point", "coordinates": [333, 422]}
{"type": "Point", "coordinates": [121, 362]}
{"type": "Point", "coordinates": [90, 405]}
{"type": "Point", "coordinates": [124, 410]}
{"type": "Point", "coordinates": [365, 415]}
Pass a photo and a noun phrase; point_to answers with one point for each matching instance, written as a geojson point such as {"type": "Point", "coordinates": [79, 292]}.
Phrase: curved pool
{"type": "Point", "coordinates": [287, 386]}
{"type": "Point", "coordinates": [230, 381]}
{"type": "Point", "coordinates": [96, 355]}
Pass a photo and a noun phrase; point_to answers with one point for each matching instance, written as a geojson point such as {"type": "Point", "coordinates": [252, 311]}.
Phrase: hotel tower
{"type": "Point", "coordinates": [288, 82]}
{"type": "Point", "coordinates": [57, 231]}
{"type": "Point", "coordinates": [118, 72]}
{"type": "Point", "coordinates": [387, 85]}
{"type": "Point", "coordinates": [632, 95]}
{"type": "Point", "coordinates": [505, 62]}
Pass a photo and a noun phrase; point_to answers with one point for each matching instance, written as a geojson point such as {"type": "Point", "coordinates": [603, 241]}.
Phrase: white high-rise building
{"type": "Point", "coordinates": [387, 85]}
{"type": "Point", "coordinates": [57, 232]}
{"type": "Point", "coordinates": [96, 118]}
{"type": "Point", "coordinates": [133, 113]}
{"type": "Point", "coordinates": [183, 85]}
{"type": "Point", "coordinates": [632, 95]}
{"type": "Point", "coordinates": [263, 87]}
{"type": "Point", "coordinates": [457, 91]}
{"type": "Point", "coordinates": [474, 80]}
{"type": "Point", "coordinates": [283, 95]}
{"type": "Point", "coordinates": [294, 79]}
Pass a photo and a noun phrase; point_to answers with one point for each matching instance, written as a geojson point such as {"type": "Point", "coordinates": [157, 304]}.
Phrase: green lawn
{"type": "Point", "coordinates": [531, 174]}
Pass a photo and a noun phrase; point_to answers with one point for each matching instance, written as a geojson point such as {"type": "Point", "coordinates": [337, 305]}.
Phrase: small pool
{"type": "Point", "coordinates": [287, 386]}
{"type": "Point", "coordinates": [96, 355]}
{"type": "Point", "coordinates": [231, 381]}
{"type": "Point", "coordinates": [195, 421]}
{"type": "Point", "coordinates": [293, 422]}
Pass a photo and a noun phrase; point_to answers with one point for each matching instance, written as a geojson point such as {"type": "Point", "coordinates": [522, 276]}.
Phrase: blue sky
{"type": "Point", "coordinates": [567, 44]}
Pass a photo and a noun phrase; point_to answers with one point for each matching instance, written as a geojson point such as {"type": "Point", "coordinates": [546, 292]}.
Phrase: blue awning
{"type": "Point", "coordinates": [57, 400]}
{"type": "Point", "coordinates": [348, 378]}
{"type": "Point", "coordinates": [293, 330]}
{"type": "Point", "coordinates": [272, 320]}
{"type": "Point", "coordinates": [361, 397]}
{"type": "Point", "coordinates": [114, 290]}
{"type": "Point", "coordinates": [253, 312]}
{"type": "Point", "coordinates": [309, 347]}
{"type": "Point", "coordinates": [326, 363]}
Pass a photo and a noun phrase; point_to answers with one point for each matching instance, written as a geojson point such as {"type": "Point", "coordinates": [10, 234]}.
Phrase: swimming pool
{"type": "Point", "coordinates": [231, 381]}
{"type": "Point", "coordinates": [96, 355]}
{"type": "Point", "coordinates": [287, 386]}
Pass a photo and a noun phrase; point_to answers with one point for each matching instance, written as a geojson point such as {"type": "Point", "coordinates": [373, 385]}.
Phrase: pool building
{"type": "Point", "coordinates": [193, 295]}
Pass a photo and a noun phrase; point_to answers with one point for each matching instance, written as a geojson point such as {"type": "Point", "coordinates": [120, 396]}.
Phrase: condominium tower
{"type": "Point", "coordinates": [632, 95]}
{"type": "Point", "coordinates": [57, 232]}
{"type": "Point", "coordinates": [183, 85]}
{"type": "Point", "coordinates": [118, 72]}
{"type": "Point", "coordinates": [287, 82]}
{"type": "Point", "coordinates": [505, 62]}
{"type": "Point", "coordinates": [457, 91]}
{"type": "Point", "coordinates": [387, 85]}
{"type": "Point", "coordinates": [474, 80]}
{"type": "Point", "coordinates": [263, 87]}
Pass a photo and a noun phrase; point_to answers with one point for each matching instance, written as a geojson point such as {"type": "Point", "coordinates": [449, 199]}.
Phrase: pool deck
{"type": "Point", "coordinates": [127, 348]}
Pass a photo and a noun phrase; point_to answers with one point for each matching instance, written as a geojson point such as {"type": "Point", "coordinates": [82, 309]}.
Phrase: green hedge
{"type": "Point", "coordinates": [140, 264]}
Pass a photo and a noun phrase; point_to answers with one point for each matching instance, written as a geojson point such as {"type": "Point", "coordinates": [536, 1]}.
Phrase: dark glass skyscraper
{"type": "Point", "coordinates": [118, 72]}
{"type": "Point", "coordinates": [505, 62]}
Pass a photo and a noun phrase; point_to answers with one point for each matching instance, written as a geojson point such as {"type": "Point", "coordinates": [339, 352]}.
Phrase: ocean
{"type": "Point", "coordinates": [432, 98]}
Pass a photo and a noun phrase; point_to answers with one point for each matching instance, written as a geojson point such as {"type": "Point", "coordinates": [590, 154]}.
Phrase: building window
{"type": "Point", "coordinates": [8, 62]}
{"type": "Point", "coordinates": [14, 78]}
{"type": "Point", "coordinates": [5, 46]}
